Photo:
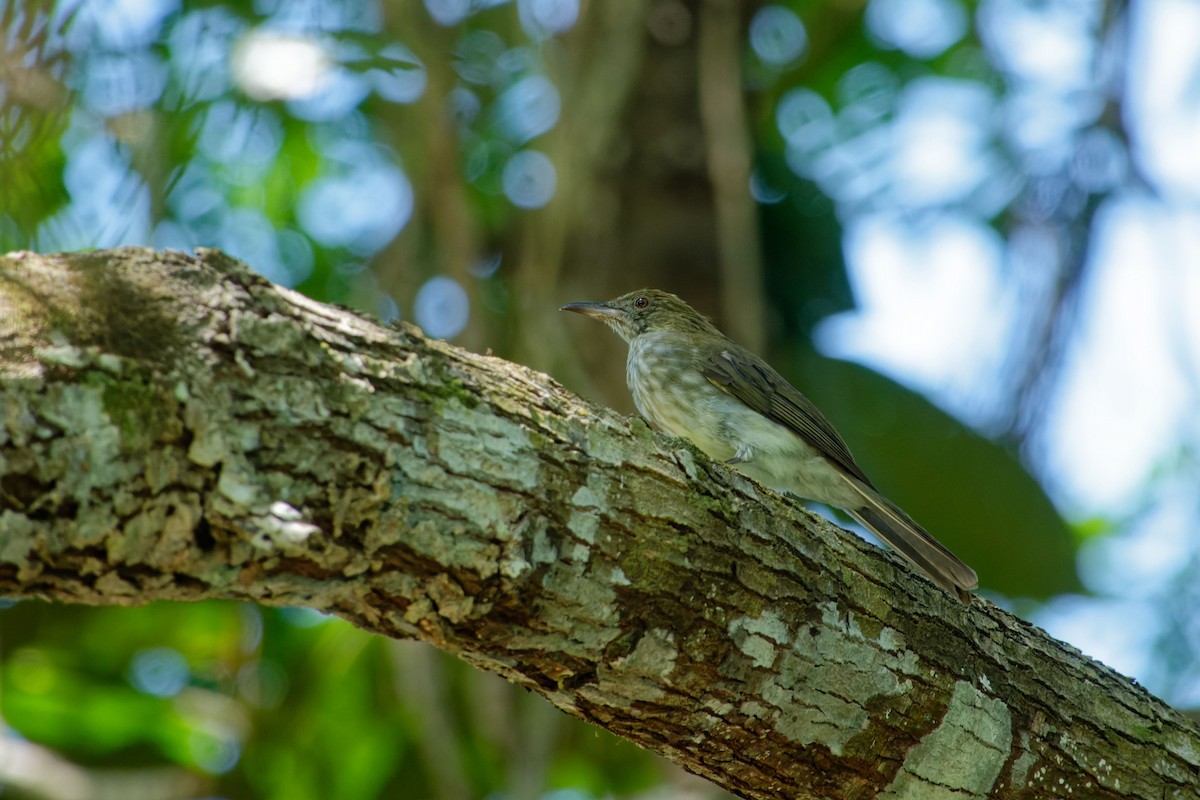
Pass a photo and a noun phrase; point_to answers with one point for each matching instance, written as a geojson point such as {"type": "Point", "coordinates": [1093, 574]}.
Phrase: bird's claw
{"type": "Point", "coordinates": [740, 456]}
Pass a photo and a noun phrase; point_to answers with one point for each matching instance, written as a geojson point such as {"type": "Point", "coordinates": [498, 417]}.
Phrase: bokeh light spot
{"type": "Point", "coordinates": [160, 671]}
{"type": "Point", "coordinates": [870, 89]}
{"type": "Point", "coordinates": [339, 95]}
{"type": "Point", "coordinates": [404, 80]}
{"type": "Point", "coordinates": [777, 35]}
{"type": "Point", "coordinates": [762, 191]}
{"type": "Point", "coordinates": [235, 133]}
{"type": "Point", "coordinates": [805, 120]}
{"type": "Point", "coordinates": [362, 210]}
{"type": "Point", "coordinates": [118, 25]}
{"type": "Point", "coordinates": [921, 28]}
{"type": "Point", "coordinates": [448, 12]}
{"type": "Point", "coordinates": [529, 179]}
{"type": "Point", "coordinates": [122, 83]}
{"type": "Point", "coordinates": [463, 105]}
{"type": "Point", "coordinates": [215, 752]}
{"type": "Point", "coordinates": [199, 45]}
{"type": "Point", "coordinates": [442, 308]}
{"type": "Point", "coordinates": [528, 108]}
{"type": "Point", "coordinates": [487, 265]}
{"type": "Point", "coordinates": [477, 56]}
{"type": "Point", "coordinates": [270, 65]}
{"type": "Point", "coordinates": [542, 18]}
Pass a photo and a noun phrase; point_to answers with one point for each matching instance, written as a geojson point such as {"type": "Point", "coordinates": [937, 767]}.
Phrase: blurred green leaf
{"type": "Point", "coordinates": [968, 491]}
{"type": "Point", "coordinates": [49, 702]}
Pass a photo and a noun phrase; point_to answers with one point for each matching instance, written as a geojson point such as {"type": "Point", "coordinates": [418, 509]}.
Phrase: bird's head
{"type": "Point", "coordinates": [645, 311]}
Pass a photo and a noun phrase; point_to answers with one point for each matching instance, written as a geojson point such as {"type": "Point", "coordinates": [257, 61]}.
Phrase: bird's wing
{"type": "Point", "coordinates": [756, 384]}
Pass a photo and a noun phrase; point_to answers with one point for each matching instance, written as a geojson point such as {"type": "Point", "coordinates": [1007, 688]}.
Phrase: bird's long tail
{"type": "Point", "coordinates": [910, 540]}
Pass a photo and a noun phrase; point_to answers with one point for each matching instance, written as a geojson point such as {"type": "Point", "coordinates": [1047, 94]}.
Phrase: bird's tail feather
{"type": "Point", "coordinates": [910, 540]}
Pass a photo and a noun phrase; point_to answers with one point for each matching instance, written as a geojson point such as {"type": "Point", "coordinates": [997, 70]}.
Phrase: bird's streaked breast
{"type": "Point", "coordinates": [666, 378]}
{"type": "Point", "coordinates": [670, 391]}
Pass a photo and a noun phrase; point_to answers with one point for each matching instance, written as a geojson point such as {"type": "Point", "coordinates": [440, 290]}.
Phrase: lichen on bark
{"type": "Point", "coordinates": [175, 427]}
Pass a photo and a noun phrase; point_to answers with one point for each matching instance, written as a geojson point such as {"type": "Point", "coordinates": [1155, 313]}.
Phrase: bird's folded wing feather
{"type": "Point", "coordinates": [889, 522]}
{"type": "Point", "coordinates": [760, 387]}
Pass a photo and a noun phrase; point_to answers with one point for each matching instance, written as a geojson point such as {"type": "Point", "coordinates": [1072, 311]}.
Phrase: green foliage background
{"type": "Point", "coordinates": [119, 127]}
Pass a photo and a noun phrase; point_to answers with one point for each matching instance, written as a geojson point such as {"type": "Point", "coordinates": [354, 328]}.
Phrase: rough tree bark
{"type": "Point", "coordinates": [177, 428]}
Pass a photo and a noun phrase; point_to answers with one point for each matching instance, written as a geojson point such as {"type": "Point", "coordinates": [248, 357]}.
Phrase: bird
{"type": "Point", "coordinates": [691, 381]}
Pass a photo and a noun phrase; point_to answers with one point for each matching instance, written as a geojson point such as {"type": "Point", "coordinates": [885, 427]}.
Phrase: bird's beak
{"type": "Point", "coordinates": [598, 310]}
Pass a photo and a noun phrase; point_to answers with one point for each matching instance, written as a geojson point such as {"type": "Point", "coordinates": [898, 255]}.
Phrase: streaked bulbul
{"type": "Point", "coordinates": [690, 380]}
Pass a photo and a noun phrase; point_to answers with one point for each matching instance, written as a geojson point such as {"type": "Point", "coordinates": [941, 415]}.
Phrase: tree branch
{"type": "Point", "coordinates": [177, 428]}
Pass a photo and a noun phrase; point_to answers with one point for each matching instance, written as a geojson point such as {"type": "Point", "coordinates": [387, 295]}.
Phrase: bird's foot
{"type": "Point", "coordinates": [743, 454]}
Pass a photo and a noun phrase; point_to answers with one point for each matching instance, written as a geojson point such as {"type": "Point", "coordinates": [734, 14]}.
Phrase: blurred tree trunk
{"type": "Point", "coordinates": [179, 428]}
{"type": "Point", "coordinates": [653, 155]}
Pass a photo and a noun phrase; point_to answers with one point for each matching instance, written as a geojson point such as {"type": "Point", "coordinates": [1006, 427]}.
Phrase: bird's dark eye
{"type": "Point", "coordinates": [641, 302]}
